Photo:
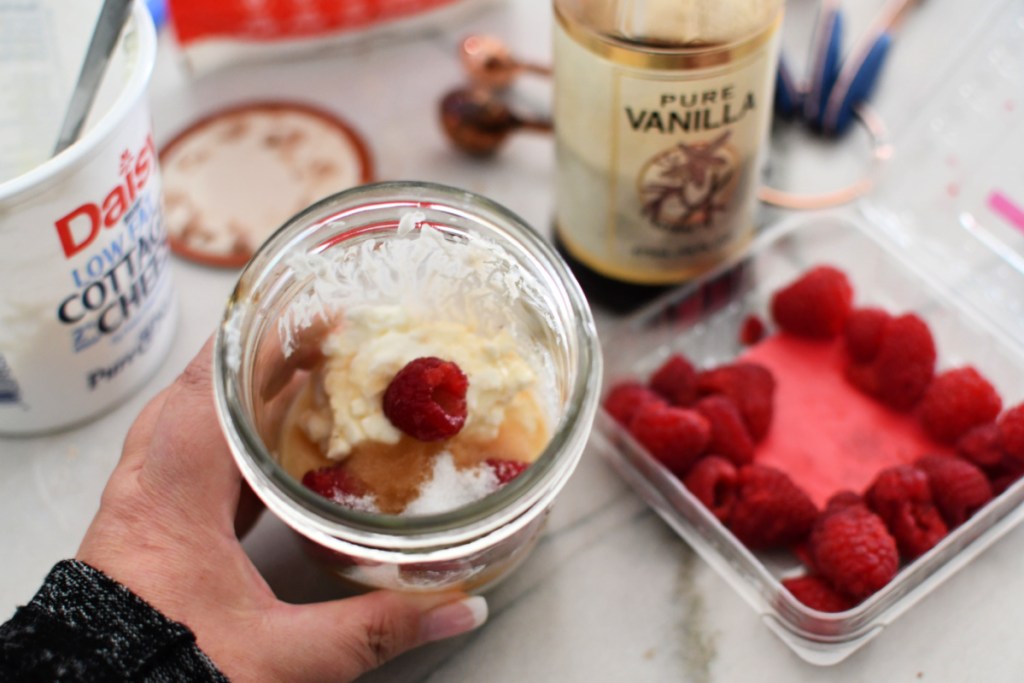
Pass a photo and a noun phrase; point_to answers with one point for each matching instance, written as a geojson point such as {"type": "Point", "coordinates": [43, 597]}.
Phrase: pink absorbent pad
{"type": "Point", "coordinates": [825, 433]}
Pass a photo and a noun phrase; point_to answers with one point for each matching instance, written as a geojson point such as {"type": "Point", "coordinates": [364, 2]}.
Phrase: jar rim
{"type": "Point", "coordinates": [327, 522]}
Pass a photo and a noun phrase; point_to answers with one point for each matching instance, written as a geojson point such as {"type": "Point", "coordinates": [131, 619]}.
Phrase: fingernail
{"type": "Point", "coordinates": [454, 618]}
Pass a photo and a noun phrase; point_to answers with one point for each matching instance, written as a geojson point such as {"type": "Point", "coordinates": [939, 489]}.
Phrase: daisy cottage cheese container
{"type": "Point", "coordinates": [86, 302]}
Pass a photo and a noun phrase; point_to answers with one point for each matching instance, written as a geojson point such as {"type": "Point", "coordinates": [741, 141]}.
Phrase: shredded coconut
{"type": "Point", "coordinates": [444, 274]}
{"type": "Point", "coordinates": [409, 221]}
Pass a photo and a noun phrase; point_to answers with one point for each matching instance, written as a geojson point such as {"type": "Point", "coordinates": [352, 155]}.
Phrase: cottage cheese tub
{"type": "Point", "coordinates": [86, 302]}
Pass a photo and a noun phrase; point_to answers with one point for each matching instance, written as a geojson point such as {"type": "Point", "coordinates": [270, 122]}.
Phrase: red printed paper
{"type": "Point", "coordinates": [273, 20]}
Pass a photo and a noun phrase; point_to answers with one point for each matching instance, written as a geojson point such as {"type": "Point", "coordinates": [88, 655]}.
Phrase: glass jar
{"type": "Point", "coordinates": [533, 294]}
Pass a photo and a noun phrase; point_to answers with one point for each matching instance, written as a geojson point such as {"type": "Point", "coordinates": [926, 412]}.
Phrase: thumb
{"type": "Point", "coordinates": [344, 639]}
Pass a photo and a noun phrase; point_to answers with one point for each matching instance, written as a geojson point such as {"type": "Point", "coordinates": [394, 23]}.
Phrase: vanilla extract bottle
{"type": "Point", "coordinates": [662, 110]}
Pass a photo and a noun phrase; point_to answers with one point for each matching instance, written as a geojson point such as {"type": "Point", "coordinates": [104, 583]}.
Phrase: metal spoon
{"type": "Point", "coordinates": [111, 20]}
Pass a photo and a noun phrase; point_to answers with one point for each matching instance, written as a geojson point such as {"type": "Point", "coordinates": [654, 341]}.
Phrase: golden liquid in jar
{"type": "Point", "coordinates": [394, 473]}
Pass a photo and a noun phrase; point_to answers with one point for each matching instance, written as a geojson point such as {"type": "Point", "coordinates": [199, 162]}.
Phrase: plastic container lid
{"type": "Point", "coordinates": [952, 196]}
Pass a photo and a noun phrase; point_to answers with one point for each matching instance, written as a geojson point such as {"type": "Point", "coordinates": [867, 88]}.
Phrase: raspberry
{"type": "Point", "coordinates": [917, 529]}
{"type": "Point", "coordinates": [506, 470]}
{"type": "Point", "coordinates": [1011, 432]}
{"type": "Point", "coordinates": [712, 480]}
{"type": "Point", "coordinates": [841, 500]}
{"type": "Point", "coordinates": [751, 330]}
{"type": "Point", "coordinates": [894, 487]}
{"type": "Point", "coordinates": [902, 367]}
{"type": "Point", "coordinates": [729, 435]}
{"type": "Point", "coordinates": [1005, 475]}
{"type": "Point", "coordinates": [959, 488]}
{"type": "Point", "coordinates": [816, 593]}
{"type": "Point", "coordinates": [815, 305]}
{"type": "Point", "coordinates": [770, 511]}
{"type": "Point", "coordinates": [863, 334]}
{"type": "Point", "coordinates": [676, 381]}
{"type": "Point", "coordinates": [802, 552]}
{"type": "Point", "coordinates": [751, 388]}
{"type": "Point", "coordinates": [957, 400]}
{"type": "Point", "coordinates": [427, 399]}
{"type": "Point", "coordinates": [673, 436]}
{"type": "Point", "coordinates": [900, 495]}
{"type": "Point", "coordinates": [625, 398]}
{"type": "Point", "coordinates": [334, 482]}
{"type": "Point", "coordinates": [980, 445]}
{"type": "Point", "coordinates": [854, 551]}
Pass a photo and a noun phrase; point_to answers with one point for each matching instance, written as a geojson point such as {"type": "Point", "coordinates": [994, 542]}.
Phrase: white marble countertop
{"type": "Point", "coordinates": [611, 593]}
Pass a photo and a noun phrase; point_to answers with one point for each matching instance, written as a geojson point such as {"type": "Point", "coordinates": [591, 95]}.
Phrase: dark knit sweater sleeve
{"type": "Point", "coordinates": [84, 626]}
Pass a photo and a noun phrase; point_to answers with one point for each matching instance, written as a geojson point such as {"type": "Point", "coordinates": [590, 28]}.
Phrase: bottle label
{"type": "Point", "coordinates": [658, 154]}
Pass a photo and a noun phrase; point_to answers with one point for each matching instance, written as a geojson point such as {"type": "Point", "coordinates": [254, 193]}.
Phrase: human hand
{"type": "Point", "coordinates": [166, 529]}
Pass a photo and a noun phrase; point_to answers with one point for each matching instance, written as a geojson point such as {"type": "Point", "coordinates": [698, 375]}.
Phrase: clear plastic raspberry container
{"type": "Point", "coordinates": [936, 237]}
